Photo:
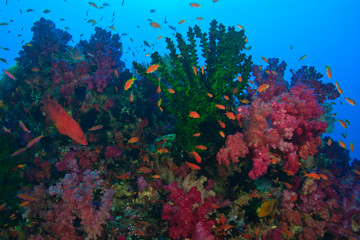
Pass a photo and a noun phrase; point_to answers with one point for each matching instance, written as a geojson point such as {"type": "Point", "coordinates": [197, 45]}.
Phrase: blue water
{"type": "Point", "coordinates": [326, 31]}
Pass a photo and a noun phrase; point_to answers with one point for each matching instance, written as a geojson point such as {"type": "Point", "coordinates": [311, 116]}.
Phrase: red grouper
{"type": "Point", "coordinates": [65, 124]}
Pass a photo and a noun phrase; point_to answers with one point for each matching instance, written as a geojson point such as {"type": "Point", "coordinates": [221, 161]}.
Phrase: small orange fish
{"type": "Point", "coordinates": [288, 185]}
{"type": "Point", "coordinates": [239, 78]}
{"type": "Point", "coordinates": [24, 204]}
{"type": "Point", "coordinates": [171, 90]}
{"type": "Point", "coordinates": [152, 68]}
{"type": "Point", "coordinates": [116, 73]}
{"type": "Point", "coordinates": [163, 150]}
{"type": "Point", "coordinates": [95, 128]}
{"type": "Point", "coordinates": [328, 71]}
{"type": "Point", "coordinates": [210, 95]}
{"type": "Point", "coordinates": [192, 166]}
{"type": "Point", "coordinates": [93, 4]}
{"type": "Point", "coordinates": [329, 142]}
{"type": "Point", "coordinates": [230, 115]}
{"type": "Point", "coordinates": [201, 147]}
{"type": "Point", "coordinates": [35, 69]}
{"type": "Point", "coordinates": [33, 141]}
{"type": "Point", "coordinates": [196, 134]}
{"type": "Point", "coordinates": [182, 21]}
{"type": "Point", "coordinates": [262, 87]}
{"type": "Point", "coordinates": [194, 114]}
{"type": "Point", "coordinates": [195, 70]}
{"type": "Point", "coordinates": [129, 83]}
{"type": "Point", "coordinates": [199, 18]}
{"type": "Point", "coordinates": [291, 47]}
{"type": "Point", "coordinates": [350, 101]}
{"type": "Point", "coordinates": [302, 57]}
{"type": "Point", "coordinates": [357, 172]}
{"type": "Point", "coordinates": [342, 144]}
{"type": "Point", "coordinates": [155, 25]}
{"type": "Point", "coordinates": [156, 176]}
{"type": "Point", "coordinates": [26, 197]}
{"type": "Point", "coordinates": [323, 176]}
{"type": "Point", "coordinates": [133, 140]}
{"type": "Point", "coordinates": [264, 58]}
{"type": "Point", "coordinates": [9, 74]}
{"type": "Point", "coordinates": [22, 125]}
{"type": "Point", "coordinates": [159, 37]}
{"type": "Point", "coordinates": [222, 134]}
{"type": "Point", "coordinates": [131, 97]}
{"type": "Point", "coordinates": [219, 106]}
{"type": "Point", "coordinates": [158, 90]}
{"type": "Point", "coordinates": [343, 124]}
{"type": "Point", "coordinates": [312, 175]}
{"type": "Point", "coordinates": [195, 5]}
{"type": "Point", "coordinates": [288, 172]}
{"type": "Point", "coordinates": [124, 176]}
{"type": "Point", "coordinates": [144, 170]}
{"type": "Point", "coordinates": [197, 156]}
{"type": "Point", "coordinates": [239, 26]}
{"type": "Point", "coordinates": [18, 152]}
{"type": "Point", "coordinates": [226, 98]}
{"type": "Point", "coordinates": [159, 102]}
{"type": "Point", "coordinates": [246, 101]}
{"type": "Point", "coordinates": [351, 146]}
{"type": "Point", "coordinates": [221, 124]}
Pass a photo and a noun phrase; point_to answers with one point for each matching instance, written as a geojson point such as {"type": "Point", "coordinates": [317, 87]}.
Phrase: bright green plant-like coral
{"type": "Point", "coordinates": [200, 82]}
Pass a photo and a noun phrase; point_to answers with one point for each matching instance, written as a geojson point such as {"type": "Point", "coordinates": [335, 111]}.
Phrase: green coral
{"type": "Point", "coordinates": [224, 61]}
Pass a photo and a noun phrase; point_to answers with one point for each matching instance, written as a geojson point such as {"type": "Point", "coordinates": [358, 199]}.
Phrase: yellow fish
{"type": "Point", "coordinates": [267, 208]}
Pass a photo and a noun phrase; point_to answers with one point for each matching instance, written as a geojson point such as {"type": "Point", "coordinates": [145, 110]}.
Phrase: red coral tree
{"type": "Point", "coordinates": [75, 200]}
{"type": "Point", "coordinates": [186, 214]}
{"type": "Point", "coordinates": [288, 123]}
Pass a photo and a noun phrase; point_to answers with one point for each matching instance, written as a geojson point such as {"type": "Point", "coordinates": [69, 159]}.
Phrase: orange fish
{"type": "Point", "coordinates": [124, 176]}
{"type": "Point", "coordinates": [222, 134]}
{"type": "Point", "coordinates": [22, 125]}
{"type": "Point", "coordinates": [163, 150]}
{"type": "Point", "coordinates": [144, 170]}
{"type": "Point", "coordinates": [239, 78]}
{"type": "Point", "coordinates": [210, 95]}
{"type": "Point", "coordinates": [133, 140]}
{"type": "Point", "coordinates": [9, 74]}
{"type": "Point", "coordinates": [343, 124]}
{"type": "Point", "coordinates": [65, 124]}
{"type": "Point", "coordinates": [156, 176]}
{"type": "Point", "coordinates": [312, 175]}
{"type": "Point", "coordinates": [302, 57]}
{"type": "Point", "coordinates": [199, 18]}
{"type": "Point", "coordinates": [201, 147]}
{"type": "Point", "coordinates": [195, 5]}
{"type": "Point", "coordinates": [159, 102]}
{"type": "Point", "coordinates": [230, 115]}
{"type": "Point", "coordinates": [93, 4]}
{"type": "Point", "coordinates": [350, 101]}
{"type": "Point", "coordinates": [262, 87]}
{"type": "Point", "coordinates": [197, 156]}
{"type": "Point", "coordinates": [131, 97]}
{"type": "Point", "coordinates": [192, 166]}
{"type": "Point", "coordinates": [351, 146]}
{"type": "Point", "coordinates": [202, 70]}
{"type": "Point", "coordinates": [18, 152]}
{"type": "Point", "coordinates": [159, 37]}
{"type": "Point", "coordinates": [33, 141]}
{"type": "Point", "coordinates": [328, 71]}
{"type": "Point", "coordinates": [155, 25]}
{"type": "Point", "coordinates": [329, 142]}
{"type": "Point", "coordinates": [264, 58]}
{"type": "Point", "coordinates": [288, 185]}
{"type": "Point", "coordinates": [129, 83]}
{"type": "Point", "coordinates": [26, 197]}
{"type": "Point", "coordinates": [95, 128]}
{"type": "Point", "coordinates": [221, 124]}
{"type": "Point", "coordinates": [182, 21]}
{"type": "Point", "coordinates": [194, 114]}
{"type": "Point", "coordinates": [342, 144]}
{"type": "Point", "coordinates": [246, 101]}
{"type": "Point", "coordinates": [171, 90]}
{"type": "Point", "coordinates": [219, 106]}
{"type": "Point", "coordinates": [158, 90]}
{"type": "Point", "coordinates": [152, 68]}
{"type": "Point", "coordinates": [112, 28]}
{"type": "Point", "coordinates": [239, 26]}
{"type": "Point", "coordinates": [195, 70]}
{"type": "Point", "coordinates": [288, 172]}
{"type": "Point", "coordinates": [323, 176]}
{"type": "Point", "coordinates": [196, 134]}
{"type": "Point", "coordinates": [340, 91]}
{"type": "Point", "coordinates": [226, 98]}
